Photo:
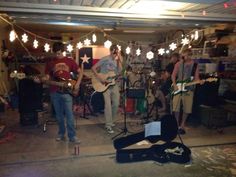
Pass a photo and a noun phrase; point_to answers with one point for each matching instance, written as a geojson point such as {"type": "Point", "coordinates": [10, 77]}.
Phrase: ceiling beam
{"type": "Point", "coordinates": [46, 9]}
{"type": "Point", "coordinates": [199, 1]}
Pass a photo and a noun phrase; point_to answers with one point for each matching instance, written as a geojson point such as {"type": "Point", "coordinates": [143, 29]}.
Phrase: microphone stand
{"type": "Point", "coordinates": [148, 112]}
{"type": "Point", "coordinates": [125, 85]}
{"type": "Point", "coordinates": [124, 90]}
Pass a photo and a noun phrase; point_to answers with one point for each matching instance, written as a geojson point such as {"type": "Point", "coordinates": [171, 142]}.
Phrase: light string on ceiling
{"type": "Point", "coordinates": [84, 41]}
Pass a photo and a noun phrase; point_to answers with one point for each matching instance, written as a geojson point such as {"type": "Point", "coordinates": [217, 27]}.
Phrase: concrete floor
{"type": "Point", "coordinates": [30, 152]}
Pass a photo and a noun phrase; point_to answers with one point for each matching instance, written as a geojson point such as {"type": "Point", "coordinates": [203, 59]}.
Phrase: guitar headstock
{"type": "Point", "coordinates": [20, 76]}
{"type": "Point", "coordinates": [212, 79]}
{"type": "Point", "coordinates": [17, 75]}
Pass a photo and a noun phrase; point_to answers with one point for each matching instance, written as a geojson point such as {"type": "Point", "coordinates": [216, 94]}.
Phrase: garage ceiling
{"type": "Point", "coordinates": [119, 15]}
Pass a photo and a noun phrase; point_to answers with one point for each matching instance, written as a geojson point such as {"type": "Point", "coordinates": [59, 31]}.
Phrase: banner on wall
{"type": "Point", "coordinates": [92, 55]}
{"type": "Point", "coordinates": [86, 54]}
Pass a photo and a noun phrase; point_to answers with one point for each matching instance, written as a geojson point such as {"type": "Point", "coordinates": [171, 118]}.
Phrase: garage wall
{"type": "Point", "coordinates": [4, 80]}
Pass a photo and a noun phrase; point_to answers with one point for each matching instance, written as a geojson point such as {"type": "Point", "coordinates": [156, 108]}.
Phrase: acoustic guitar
{"type": "Point", "coordinates": [109, 78]}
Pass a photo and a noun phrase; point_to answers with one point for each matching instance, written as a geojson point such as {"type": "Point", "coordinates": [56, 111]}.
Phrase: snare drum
{"type": "Point", "coordinates": [97, 101]}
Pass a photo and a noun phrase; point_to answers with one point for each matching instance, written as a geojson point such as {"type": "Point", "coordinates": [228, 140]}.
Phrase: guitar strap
{"type": "Point", "coordinates": [194, 69]}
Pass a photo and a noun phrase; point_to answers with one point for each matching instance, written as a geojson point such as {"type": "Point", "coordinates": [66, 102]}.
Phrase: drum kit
{"type": "Point", "coordinates": [149, 81]}
{"type": "Point", "coordinates": [90, 98]}
{"type": "Point", "coordinates": [145, 80]}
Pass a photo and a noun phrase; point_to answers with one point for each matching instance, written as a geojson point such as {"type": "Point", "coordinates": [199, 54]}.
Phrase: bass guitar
{"type": "Point", "coordinates": [109, 78]}
{"type": "Point", "coordinates": [182, 86]}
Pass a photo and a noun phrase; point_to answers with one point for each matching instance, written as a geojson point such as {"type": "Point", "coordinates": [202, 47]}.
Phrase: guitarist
{"type": "Point", "coordinates": [110, 63]}
{"type": "Point", "coordinates": [184, 70]}
{"type": "Point", "coordinates": [61, 67]}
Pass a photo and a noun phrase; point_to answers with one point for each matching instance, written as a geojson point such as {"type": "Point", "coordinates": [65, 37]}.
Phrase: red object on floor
{"type": "Point", "coordinates": [8, 137]}
{"type": "Point", "coordinates": [130, 102]}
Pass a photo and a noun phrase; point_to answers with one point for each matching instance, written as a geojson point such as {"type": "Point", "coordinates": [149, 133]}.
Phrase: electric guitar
{"type": "Point", "coordinates": [65, 86]}
{"type": "Point", "coordinates": [109, 78]}
{"type": "Point", "coordinates": [182, 85]}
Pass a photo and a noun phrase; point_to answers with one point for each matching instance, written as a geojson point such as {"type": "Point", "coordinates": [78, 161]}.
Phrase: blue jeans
{"type": "Point", "coordinates": [63, 108]}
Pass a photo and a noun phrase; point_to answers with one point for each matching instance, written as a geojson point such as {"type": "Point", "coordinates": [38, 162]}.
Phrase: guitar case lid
{"type": "Point", "coordinates": [169, 130]}
{"type": "Point", "coordinates": [167, 152]}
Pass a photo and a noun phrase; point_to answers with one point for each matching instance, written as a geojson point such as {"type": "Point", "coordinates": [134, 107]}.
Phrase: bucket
{"type": "Point", "coordinates": [129, 108]}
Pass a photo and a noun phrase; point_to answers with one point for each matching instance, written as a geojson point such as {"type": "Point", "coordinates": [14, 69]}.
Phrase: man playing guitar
{"type": "Point", "coordinates": [184, 70]}
{"type": "Point", "coordinates": [60, 68]}
{"type": "Point", "coordinates": [109, 64]}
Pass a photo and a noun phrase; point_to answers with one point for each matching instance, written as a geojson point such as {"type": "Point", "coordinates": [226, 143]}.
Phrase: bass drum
{"type": "Point", "coordinates": [97, 102]}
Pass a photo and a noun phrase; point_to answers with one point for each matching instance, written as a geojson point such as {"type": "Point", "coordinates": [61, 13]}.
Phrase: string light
{"type": "Point", "coordinates": [127, 50]}
{"type": "Point", "coordinates": [150, 55]}
{"type": "Point", "coordinates": [79, 45]}
{"type": "Point", "coordinates": [24, 38]}
{"type": "Point", "coordinates": [192, 36]}
{"type": "Point", "coordinates": [107, 44]}
{"type": "Point", "coordinates": [161, 51]}
{"type": "Point", "coordinates": [119, 47]}
{"type": "Point", "coordinates": [87, 42]}
{"type": "Point", "coordinates": [12, 35]}
{"type": "Point", "coordinates": [196, 36]}
{"type": "Point", "coordinates": [185, 41]}
{"type": "Point", "coordinates": [94, 38]}
{"type": "Point", "coordinates": [69, 48]}
{"type": "Point", "coordinates": [173, 46]}
{"type": "Point", "coordinates": [47, 47]}
{"type": "Point", "coordinates": [35, 44]}
{"type": "Point", "coordinates": [138, 52]}
{"type": "Point", "coordinates": [204, 12]}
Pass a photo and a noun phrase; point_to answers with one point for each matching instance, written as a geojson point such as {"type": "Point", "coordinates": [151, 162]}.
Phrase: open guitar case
{"type": "Point", "coordinates": [169, 151]}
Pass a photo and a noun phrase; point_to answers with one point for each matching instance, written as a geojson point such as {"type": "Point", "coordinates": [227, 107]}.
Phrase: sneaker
{"type": "Point", "coordinates": [60, 138]}
{"type": "Point", "coordinates": [75, 140]}
{"type": "Point", "coordinates": [109, 130]}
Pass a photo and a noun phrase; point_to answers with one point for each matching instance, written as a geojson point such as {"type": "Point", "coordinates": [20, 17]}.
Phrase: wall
{"type": "Point", "coordinates": [4, 76]}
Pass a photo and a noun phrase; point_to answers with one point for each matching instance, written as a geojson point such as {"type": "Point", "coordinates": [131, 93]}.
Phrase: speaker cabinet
{"type": "Point", "coordinates": [29, 118]}
{"type": "Point", "coordinates": [30, 96]}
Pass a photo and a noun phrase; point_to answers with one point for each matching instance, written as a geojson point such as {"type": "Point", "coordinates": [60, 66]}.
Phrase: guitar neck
{"type": "Point", "coordinates": [55, 83]}
{"type": "Point", "coordinates": [198, 82]}
{"type": "Point", "coordinates": [193, 83]}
